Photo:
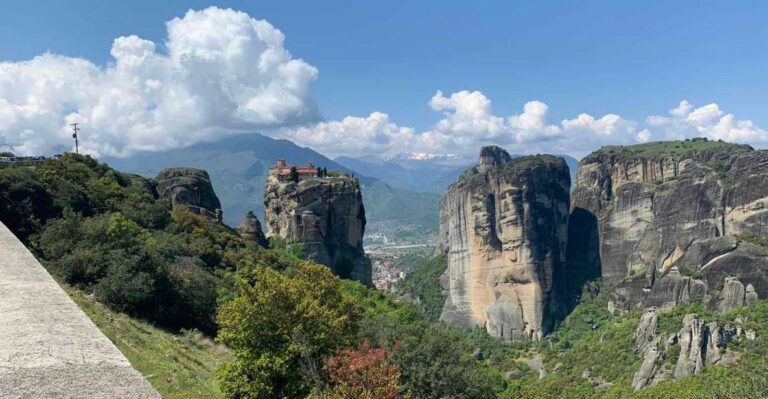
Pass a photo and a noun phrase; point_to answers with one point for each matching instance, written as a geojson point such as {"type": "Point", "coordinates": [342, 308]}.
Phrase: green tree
{"type": "Point", "coordinates": [294, 176]}
{"type": "Point", "coordinates": [25, 205]}
{"type": "Point", "coordinates": [281, 327]}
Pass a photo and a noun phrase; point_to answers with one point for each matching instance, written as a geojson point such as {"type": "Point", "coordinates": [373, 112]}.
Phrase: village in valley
{"type": "Point", "coordinates": [392, 244]}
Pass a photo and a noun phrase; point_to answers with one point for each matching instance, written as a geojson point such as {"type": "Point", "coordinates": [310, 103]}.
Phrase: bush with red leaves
{"type": "Point", "coordinates": [364, 373]}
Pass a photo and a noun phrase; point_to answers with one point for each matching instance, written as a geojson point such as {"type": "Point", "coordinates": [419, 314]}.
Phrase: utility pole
{"type": "Point", "coordinates": [75, 129]}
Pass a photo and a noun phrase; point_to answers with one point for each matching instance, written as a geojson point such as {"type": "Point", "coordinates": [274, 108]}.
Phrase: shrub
{"type": "Point", "coordinates": [25, 205]}
{"type": "Point", "coordinates": [424, 285]}
{"type": "Point", "coordinates": [195, 292]}
{"type": "Point", "coordinates": [364, 373]}
{"type": "Point", "coordinates": [129, 284]}
{"type": "Point", "coordinates": [281, 327]}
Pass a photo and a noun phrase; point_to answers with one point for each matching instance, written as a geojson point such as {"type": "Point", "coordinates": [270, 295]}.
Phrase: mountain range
{"type": "Point", "coordinates": [423, 172]}
{"type": "Point", "coordinates": [239, 165]}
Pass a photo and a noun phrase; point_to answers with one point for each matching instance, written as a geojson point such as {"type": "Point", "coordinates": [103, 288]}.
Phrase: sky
{"type": "Point", "coordinates": [380, 78]}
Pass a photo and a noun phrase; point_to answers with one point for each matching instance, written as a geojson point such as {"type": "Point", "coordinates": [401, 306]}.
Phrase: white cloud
{"type": "Point", "coordinates": [355, 135]}
{"type": "Point", "coordinates": [643, 136]}
{"type": "Point", "coordinates": [223, 71]}
{"type": "Point", "coordinates": [468, 116]}
{"type": "Point", "coordinates": [708, 121]}
{"type": "Point", "coordinates": [468, 122]}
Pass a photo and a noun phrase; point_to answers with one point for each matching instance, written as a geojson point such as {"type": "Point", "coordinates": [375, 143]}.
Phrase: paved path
{"type": "Point", "coordinates": [49, 348]}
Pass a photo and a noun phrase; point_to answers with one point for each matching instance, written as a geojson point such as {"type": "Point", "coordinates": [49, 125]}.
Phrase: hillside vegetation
{"type": "Point", "coordinates": [592, 352]}
{"type": "Point", "coordinates": [147, 275]}
{"type": "Point", "coordinates": [595, 357]}
{"type": "Point", "coordinates": [422, 287]}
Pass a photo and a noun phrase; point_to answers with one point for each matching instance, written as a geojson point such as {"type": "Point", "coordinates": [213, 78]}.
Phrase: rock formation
{"type": "Point", "coordinates": [666, 223]}
{"type": "Point", "coordinates": [190, 188]}
{"type": "Point", "coordinates": [503, 230]}
{"type": "Point", "coordinates": [250, 229]}
{"type": "Point", "coordinates": [326, 216]}
{"type": "Point", "coordinates": [699, 344]}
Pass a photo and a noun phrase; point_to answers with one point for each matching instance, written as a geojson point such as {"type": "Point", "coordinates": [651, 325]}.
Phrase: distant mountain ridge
{"type": "Point", "coordinates": [422, 172]}
{"type": "Point", "coordinates": [238, 166]}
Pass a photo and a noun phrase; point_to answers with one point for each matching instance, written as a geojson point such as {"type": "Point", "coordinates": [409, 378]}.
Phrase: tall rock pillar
{"type": "Point", "coordinates": [503, 228]}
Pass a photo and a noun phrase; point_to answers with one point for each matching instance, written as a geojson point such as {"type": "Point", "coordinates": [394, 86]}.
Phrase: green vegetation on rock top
{"type": "Point", "coordinates": [660, 149]}
{"type": "Point", "coordinates": [529, 161]}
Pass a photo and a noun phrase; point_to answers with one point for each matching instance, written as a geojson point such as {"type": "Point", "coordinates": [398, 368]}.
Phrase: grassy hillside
{"type": "Point", "coordinates": [179, 365]}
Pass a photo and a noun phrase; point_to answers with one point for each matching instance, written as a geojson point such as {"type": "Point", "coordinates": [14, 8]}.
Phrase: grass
{"type": "Point", "coordinates": [177, 365]}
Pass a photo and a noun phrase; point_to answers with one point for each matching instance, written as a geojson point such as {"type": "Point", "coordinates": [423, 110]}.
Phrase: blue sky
{"type": "Point", "coordinates": [633, 59]}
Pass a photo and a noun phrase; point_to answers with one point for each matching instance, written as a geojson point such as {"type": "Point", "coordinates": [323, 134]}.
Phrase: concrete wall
{"type": "Point", "coordinates": [49, 348]}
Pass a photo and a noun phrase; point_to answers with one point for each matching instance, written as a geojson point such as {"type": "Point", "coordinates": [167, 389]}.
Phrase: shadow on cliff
{"type": "Point", "coordinates": [582, 263]}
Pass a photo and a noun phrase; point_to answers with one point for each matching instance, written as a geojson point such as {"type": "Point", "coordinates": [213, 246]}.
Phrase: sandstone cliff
{"type": "Point", "coordinates": [326, 216]}
{"type": "Point", "coordinates": [190, 188]}
{"type": "Point", "coordinates": [503, 228]}
{"type": "Point", "coordinates": [666, 223]}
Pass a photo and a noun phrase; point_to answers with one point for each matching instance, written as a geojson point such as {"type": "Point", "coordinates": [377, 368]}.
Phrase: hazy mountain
{"type": "Point", "coordinates": [422, 172]}
{"type": "Point", "coordinates": [239, 165]}
{"type": "Point", "coordinates": [425, 175]}
{"type": "Point", "coordinates": [573, 164]}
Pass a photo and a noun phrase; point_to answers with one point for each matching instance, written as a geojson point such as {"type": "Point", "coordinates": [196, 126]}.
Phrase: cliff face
{"type": "Point", "coordinates": [503, 228]}
{"type": "Point", "coordinates": [326, 216]}
{"type": "Point", "coordinates": [666, 223]}
{"type": "Point", "coordinates": [190, 188]}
